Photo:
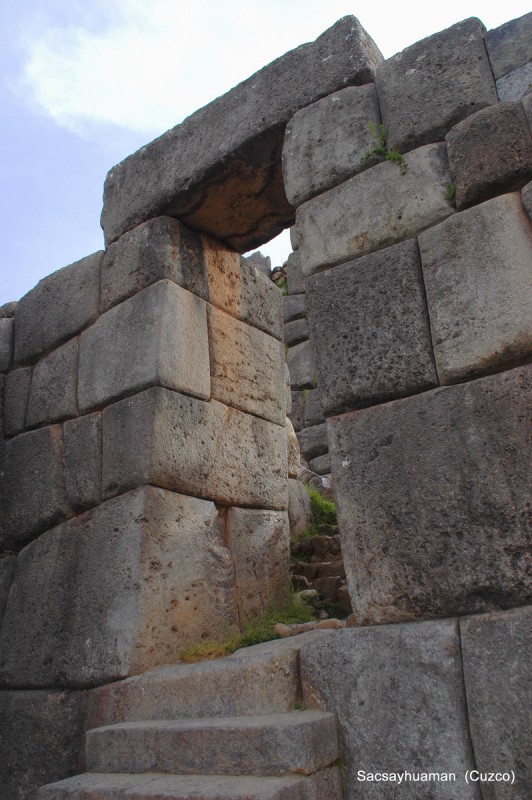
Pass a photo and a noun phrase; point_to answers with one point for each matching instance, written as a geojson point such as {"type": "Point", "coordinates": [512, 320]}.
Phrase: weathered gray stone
{"type": "Point", "coordinates": [161, 248]}
{"type": "Point", "coordinates": [17, 391]}
{"type": "Point", "coordinates": [2, 387]}
{"type": "Point", "coordinates": [157, 337]}
{"type": "Point", "coordinates": [8, 309]}
{"type": "Point", "coordinates": [259, 543]}
{"type": "Point", "coordinates": [433, 84]}
{"type": "Point", "coordinates": [293, 450]}
{"type": "Point", "coordinates": [297, 410]}
{"type": "Point", "coordinates": [247, 367]}
{"type": "Point", "coordinates": [295, 279]}
{"type": "Point", "coordinates": [7, 327]}
{"type": "Point", "coordinates": [490, 152]}
{"type": "Point", "coordinates": [294, 307]}
{"type": "Point", "coordinates": [526, 196]}
{"type": "Point", "coordinates": [325, 143]}
{"type": "Point", "coordinates": [321, 464]}
{"type": "Point", "coordinates": [260, 262]}
{"type": "Point", "coordinates": [152, 574]}
{"type": "Point", "coordinates": [294, 238]}
{"type": "Point", "coordinates": [526, 102]}
{"type": "Point", "coordinates": [360, 360]}
{"type": "Point", "coordinates": [295, 332]}
{"type": "Point", "coordinates": [510, 45]}
{"type": "Point", "coordinates": [313, 414]}
{"type": "Point", "coordinates": [300, 360]}
{"type": "Point", "coordinates": [477, 269]}
{"type": "Point", "coordinates": [377, 208]}
{"type": "Point", "coordinates": [54, 385]}
{"type": "Point", "coordinates": [288, 393]}
{"type": "Point", "coordinates": [515, 85]}
{"type": "Point", "coordinates": [431, 493]}
{"type": "Point", "coordinates": [313, 441]}
{"type": "Point", "coordinates": [32, 489]}
{"type": "Point", "coordinates": [197, 169]}
{"type": "Point", "coordinates": [270, 745]}
{"type": "Point", "coordinates": [299, 511]}
{"type": "Point", "coordinates": [397, 691]}
{"type": "Point", "coordinates": [41, 740]}
{"type": "Point", "coordinates": [83, 454]}
{"type": "Point", "coordinates": [8, 562]}
{"type": "Point", "coordinates": [497, 652]}
{"type": "Point", "coordinates": [187, 445]}
{"type": "Point", "coordinates": [61, 305]}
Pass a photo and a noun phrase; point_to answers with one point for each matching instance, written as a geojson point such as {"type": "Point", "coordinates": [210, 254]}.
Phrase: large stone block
{"type": "Point", "coordinates": [7, 327]}
{"type": "Point", "coordinates": [516, 85]}
{"type": "Point", "coordinates": [325, 143]}
{"type": "Point", "coordinates": [526, 196]}
{"type": "Point", "coordinates": [300, 360]}
{"type": "Point", "coordinates": [370, 331]}
{"type": "Point", "coordinates": [41, 740]}
{"type": "Point", "coordinates": [61, 305]}
{"type": "Point", "coordinates": [295, 332]}
{"type": "Point", "coordinates": [220, 170]}
{"type": "Point", "coordinates": [295, 280]}
{"type": "Point", "coordinates": [54, 386]}
{"type": "Point", "coordinates": [159, 249]}
{"type": "Point", "coordinates": [377, 208]}
{"type": "Point", "coordinates": [32, 489]}
{"type": "Point", "coordinates": [17, 392]}
{"type": "Point", "coordinates": [497, 653]}
{"type": "Point", "coordinates": [398, 694]}
{"type": "Point", "coordinates": [313, 441]}
{"type": "Point", "coordinates": [260, 262]}
{"type": "Point", "coordinates": [158, 337]}
{"type": "Point", "coordinates": [83, 454]}
{"type": "Point", "coordinates": [7, 310]}
{"type": "Point", "coordinates": [259, 544]}
{"type": "Point", "coordinates": [510, 45]}
{"type": "Point", "coordinates": [477, 269]}
{"type": "Point", "coordinates": [294, 456]}
{"type": "Point", "coordinates": [8, 562]}
{"type": "Point", "coordinates": [433, 84]}
{"type": "Point", "coordinates": [299, 511]}
{"type": "Point", "coordinates": [489, 152]}
{"type": "Point", "coordinates": [187, 445]}
{"type": "Point", "coordinates": [294, 307]}
{"type": "Point", "coordinates": [247, 367]}
{"type": "Point", "coordinates": [432, 495]}
{"type": "Point", "coordinates": [116, 591]}
{"type": "Point", "coordinates": [313, 414]}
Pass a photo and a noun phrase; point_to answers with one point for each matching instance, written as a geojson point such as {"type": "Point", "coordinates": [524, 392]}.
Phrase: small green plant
{"type": "Point", "coordinates": [450, 194]}
{"type": "Point", "coordinates": [381, 150]}
{"type": "Point", "coordinates": [323, 512]}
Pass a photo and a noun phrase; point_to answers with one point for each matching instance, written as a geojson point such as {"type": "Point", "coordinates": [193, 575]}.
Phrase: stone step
{"type": "Point", "coordinates": [318, 569]}
{"type": "Point", "coordinates": [93, 786]}
{"type": "Point", "coordinates": [298, 742]}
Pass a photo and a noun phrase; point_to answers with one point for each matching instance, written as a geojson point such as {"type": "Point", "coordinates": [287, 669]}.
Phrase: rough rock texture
{"type": "Point", "coordinates": [187, 445]}
{"type": "Point", "coordinates": [361, 361]}
{"type": "Point", "coordinates": [515, 85]}
{"type": "Point", "coordinates": [489, 152]}
{"type": "Point", "coordinates": [294, 307]}
{"type": "Point", "coordinates": [300, 360]}
{"type": "Point", "coordinates": [321, 464]}
{"type": "Point", "coordinates": [220, 170]}
{"type": "Point", "coordinates": [527, 106]}
{"type": "Point", "coordinates": [259, 543]}
{"type": "Point", "coordinates": [61, 305]}
{"type": "Point", "coordinates": [152, 574]}
{"type": "Point", "coordinates": [295, 280]}
{"type": "Point", "coordinates": [32, 490]}
{"type": "Point", "coordinates": [7, 328]}
{"type": "Point", "coordinates": [260, 262]}
{"type": "Point", "coordinates": [313, 414]}
{"type": "Point", "coordinates": [8, 562]}
{"type": "Point", "coordinates": [497, 653]}
{"type": "Point", "coordinates": [477, 268]}
{"type": "Point", "coordinates": [17, 391]}
{"type": "Point", "coordinates": [313, 441]}
{"type": "Point", "coordinates": [247, 367]}
{"type": "Point", "coordinates": [526, 196]}
{"type": "Point", "coordinates": [295, 332]}
{"type": "Point", "coordinates": [325, 143]}
{"type": "Point", "coordinates": [83, 454]}
{"type": "Point", "coordinates": [431, 493]}
{"type": "Point", "coordinates": [433, 84]}
{"type": "Point", "coordinates": [398, 694]}
{"type": "Point", "coordinates": [41, 740]}
{"type": "Point", "coordinates": [54, 385]}
{"type": "Point", "coordinates": [377, 208]}
{"type": "Point", "coordinates": [157, 337]}
{"type": "Point", "coordinates": [510, 45]}
{"type": "Point", "coordinates": [7, 310]}
{"type": "Point", "coordinates": [299, 512]}
{"type": "Point", "coordinates": [294, 456]}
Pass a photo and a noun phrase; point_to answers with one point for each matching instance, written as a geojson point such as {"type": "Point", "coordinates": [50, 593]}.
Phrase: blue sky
{"type": "Point", "coordinates": [85, 83]}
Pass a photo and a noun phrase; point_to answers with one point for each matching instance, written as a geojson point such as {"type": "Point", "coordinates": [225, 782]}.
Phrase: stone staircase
{"type": "Point", "coordinates": [173, 735]}
{"type": "Point", "coordinates": [320, 566]}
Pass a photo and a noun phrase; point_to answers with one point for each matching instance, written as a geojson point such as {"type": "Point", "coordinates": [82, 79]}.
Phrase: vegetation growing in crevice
{"type": "Point", "coordinates": [381, 150]}
{"type": "Point", "coordinates": [450, 194]}
{"type": "Point", "coordinates": [323, 515]}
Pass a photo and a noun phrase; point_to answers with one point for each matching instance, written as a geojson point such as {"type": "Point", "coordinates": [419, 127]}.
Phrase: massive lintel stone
{"type": "Point", "coordinates": [398, 693]}
{"type": "Point", "coordinates": [361, 361]}
{"type": "Point", "coordinates": [497, 653]}
{"type": "Point", "coordinates": [433, 84]}
{"type": "Point", "coordinates": [432, 495]}
{"type": "Point", "coordinates": [477, 268]}
{"type": "Point", "coordinates": [116, 591]}
{"type": "Point", "coordinates": [372, 210]}
{"type": "Point", "coordinates": [510, 45]}
{"type": "Point", "coordinates": [187, 445]}
{"type": "Point", "coordinates": [220, 170]}
{"type": "Point", "coordinates": [157, 337]}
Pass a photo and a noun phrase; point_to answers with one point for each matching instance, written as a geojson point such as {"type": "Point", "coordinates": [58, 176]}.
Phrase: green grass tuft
{"type": "Point", "coordinates": [381, 149]}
